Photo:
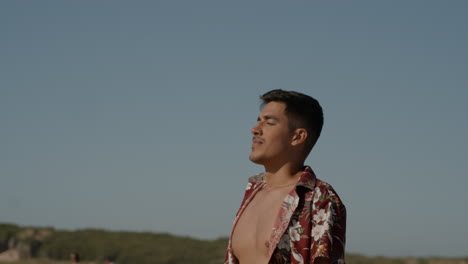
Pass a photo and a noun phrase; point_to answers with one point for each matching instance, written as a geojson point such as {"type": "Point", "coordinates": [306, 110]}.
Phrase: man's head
{"type": "Point", "coordinates": [299, 125]}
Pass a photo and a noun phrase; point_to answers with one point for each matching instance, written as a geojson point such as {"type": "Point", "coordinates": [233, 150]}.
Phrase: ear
{"type": "Point", "coordinates": [299, 136]}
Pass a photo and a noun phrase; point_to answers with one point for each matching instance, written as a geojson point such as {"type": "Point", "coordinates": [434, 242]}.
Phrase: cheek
{"type": "Point", "coordinates": [282, 137]}
{"type": "Point", "coordinates": [280, 140]}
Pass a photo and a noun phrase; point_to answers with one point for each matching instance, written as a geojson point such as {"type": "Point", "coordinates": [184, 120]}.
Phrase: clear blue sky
{"type": "Point", "coordinates": [135, 115]}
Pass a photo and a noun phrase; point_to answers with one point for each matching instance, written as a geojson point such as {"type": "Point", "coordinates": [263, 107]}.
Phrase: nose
{"type": "Point", "coordinates": [256, 130]}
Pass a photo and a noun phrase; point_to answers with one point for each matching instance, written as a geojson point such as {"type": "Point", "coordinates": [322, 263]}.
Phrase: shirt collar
{"type": "Point", "coordinates": [307, 178]}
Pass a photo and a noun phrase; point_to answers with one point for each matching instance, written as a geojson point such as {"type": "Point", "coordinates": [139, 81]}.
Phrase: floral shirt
{"type": "Point", "coordinates": [311, 222]}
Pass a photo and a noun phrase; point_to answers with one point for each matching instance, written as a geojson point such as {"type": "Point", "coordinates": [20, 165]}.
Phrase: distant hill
{"type": "Point", "coordinates": [96, 245]}
{"type": "Point", "coordinates": [28, 245]}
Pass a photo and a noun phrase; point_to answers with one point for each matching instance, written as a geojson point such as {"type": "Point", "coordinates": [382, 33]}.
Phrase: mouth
{"type": "Point", "coordinates": [256, 141]}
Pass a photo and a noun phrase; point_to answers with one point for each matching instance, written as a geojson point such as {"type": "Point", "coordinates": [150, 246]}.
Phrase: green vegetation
{"type": "Point", "coordinates": [124, 247]}
{"type": "Point", "coordinates": [358, 259]}
{"type": "Point", "coordinates": [128, 247]}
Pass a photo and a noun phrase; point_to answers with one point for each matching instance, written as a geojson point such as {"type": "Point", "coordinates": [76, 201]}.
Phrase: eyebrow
{"type": "Point", "coordinates": [267, 117]}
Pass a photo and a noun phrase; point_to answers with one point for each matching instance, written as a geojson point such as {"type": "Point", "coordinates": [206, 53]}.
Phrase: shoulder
{"type": "Point", "coordinates": [324, 192]}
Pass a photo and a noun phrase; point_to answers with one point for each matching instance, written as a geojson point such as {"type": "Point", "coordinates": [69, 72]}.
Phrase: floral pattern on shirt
{"type": "Point", "coordinates": [311, 222]}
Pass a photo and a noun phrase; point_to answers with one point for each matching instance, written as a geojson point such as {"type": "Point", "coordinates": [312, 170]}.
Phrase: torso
{"type": "Point", "coordinates": [254, 227]}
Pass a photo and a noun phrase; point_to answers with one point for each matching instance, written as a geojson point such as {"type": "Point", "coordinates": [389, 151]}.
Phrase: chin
{"type": "Point", "coordinates": [256, 160]}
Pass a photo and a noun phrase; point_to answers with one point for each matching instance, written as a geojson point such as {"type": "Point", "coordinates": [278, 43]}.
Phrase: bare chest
{"type": "Point", "coordinates": [250, 239]}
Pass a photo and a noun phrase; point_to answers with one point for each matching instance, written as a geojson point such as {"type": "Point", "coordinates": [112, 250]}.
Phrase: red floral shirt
{"type": "Point", "coordinates": [311, 222]}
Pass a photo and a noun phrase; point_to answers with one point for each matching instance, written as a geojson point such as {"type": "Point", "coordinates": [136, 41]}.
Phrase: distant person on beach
{"type": "Point", "coordinates": [74, 258]}
{"type": "Point", "coordinates": [287, 215]}
{"type": "Point", "coordinates": [108, 261]}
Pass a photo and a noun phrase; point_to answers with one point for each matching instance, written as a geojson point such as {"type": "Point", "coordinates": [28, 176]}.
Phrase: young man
{"type": "Point", "coordinates": [287, 215]}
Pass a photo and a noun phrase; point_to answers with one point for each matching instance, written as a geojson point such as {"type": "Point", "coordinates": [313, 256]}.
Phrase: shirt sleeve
{"type": "Point", "coordinates": [328, 233]}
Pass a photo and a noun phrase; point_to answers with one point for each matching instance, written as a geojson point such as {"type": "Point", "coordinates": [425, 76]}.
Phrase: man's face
{"type": "Point", "coordinates": [271, 136]}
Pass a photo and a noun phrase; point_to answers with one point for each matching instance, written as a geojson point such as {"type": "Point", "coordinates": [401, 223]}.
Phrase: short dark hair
{"type": "Point", "coordinates": [302, 110]}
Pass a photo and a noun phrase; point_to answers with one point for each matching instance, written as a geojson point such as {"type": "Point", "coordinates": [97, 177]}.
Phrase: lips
{"type": "Point", "coordinates": [256, 141]}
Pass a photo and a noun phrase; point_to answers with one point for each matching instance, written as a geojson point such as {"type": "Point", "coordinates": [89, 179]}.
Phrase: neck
{"type": "Point", "coordinates": [283, 175]}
